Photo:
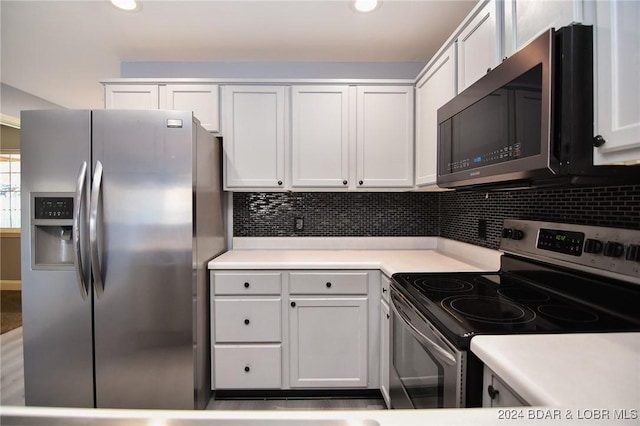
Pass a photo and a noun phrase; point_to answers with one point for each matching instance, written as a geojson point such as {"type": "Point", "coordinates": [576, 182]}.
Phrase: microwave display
{"type": "Point", "coordinates": [502, 126]}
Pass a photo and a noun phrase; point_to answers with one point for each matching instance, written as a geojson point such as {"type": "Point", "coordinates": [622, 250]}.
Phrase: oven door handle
{"type": "Point", "coordinates": [440, 352]}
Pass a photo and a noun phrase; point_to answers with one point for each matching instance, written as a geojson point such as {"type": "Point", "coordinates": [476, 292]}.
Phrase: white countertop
{"type": "Point", "coordinates": [440, 255]}
{"type": "Point", "coordinates": [442, 417]}
{"type": "Point", "coordinates": [567, 370]}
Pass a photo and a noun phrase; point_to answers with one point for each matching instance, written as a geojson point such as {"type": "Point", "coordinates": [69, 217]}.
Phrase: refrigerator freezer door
{"type": "Point", "coordinates": [58, 358]}
{"type": "Point", "coordinates": [144, 317]}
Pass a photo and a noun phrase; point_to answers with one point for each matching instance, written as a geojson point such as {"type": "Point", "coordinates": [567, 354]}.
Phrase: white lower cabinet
{"type": "Point", "coordinates": [328, 342]}
{"type": "Point", "coordinates": [385, 351]}
{"type": "Point", "coordinates": [248, 366]}
{"type": "Point", "coordinates": [497, 394]}
{"type": "Point", "coordinates": [296, 329]}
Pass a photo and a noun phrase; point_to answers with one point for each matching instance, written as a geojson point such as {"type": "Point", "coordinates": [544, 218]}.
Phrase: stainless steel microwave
{"type": "Point", "coordinates": [528, 122]}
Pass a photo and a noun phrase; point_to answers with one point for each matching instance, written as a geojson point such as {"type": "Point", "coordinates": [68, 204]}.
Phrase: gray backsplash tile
{"type": "Point", "coordinates": [453, 215]}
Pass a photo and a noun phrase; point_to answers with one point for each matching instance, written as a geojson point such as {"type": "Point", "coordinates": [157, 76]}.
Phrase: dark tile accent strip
{"type": "Point", "coordinates": [452, 215]}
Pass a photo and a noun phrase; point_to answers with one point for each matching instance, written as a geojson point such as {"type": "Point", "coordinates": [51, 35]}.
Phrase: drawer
{"type": "Point", "coordinates": [236, 283]}
{"type": "Point", "coordinates": [386, 283]}
{"type": "Point", "coordinates": [328, 283]}
{"type": "Point", "coordinates": [247, 366]}
{"type": "Point", "coordinates": [247, 319]}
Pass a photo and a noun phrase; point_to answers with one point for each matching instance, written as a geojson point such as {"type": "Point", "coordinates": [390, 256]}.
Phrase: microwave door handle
{"type": "Point", "coordinates": [77, 223]}
{"type": "Point", "coordinates": [441, 353]}
{"type": "Point", "coordinates": [93, 230]}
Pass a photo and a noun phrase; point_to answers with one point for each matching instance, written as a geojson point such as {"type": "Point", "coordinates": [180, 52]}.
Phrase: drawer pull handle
{"type": "Point", "coordinates": [246, 285]}
{"type": "Point", "coordinates": [328, 285]}
{"type": "Point", "coordinates": [493, 392]}
{"type": "Point", "coordinates": [247, 369]}
{"type": "Point", "coordinates": [293, 304]}
{"type": "Point", "coordinates": [246, 322]}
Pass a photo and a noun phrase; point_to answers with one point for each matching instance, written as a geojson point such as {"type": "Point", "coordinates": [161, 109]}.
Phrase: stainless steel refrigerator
{"type": "Point", "coordinates": [121, 210]}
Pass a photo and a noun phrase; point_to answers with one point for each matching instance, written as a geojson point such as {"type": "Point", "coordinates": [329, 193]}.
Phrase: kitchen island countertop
{"type": "Point", "coordinates": [588, 370]}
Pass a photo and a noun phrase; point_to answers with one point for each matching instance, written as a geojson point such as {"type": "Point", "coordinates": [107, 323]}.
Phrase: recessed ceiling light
{"type": "Point", "coordinates": [366, 5]}
{"type": "Point", "coordinates": [128, 5]}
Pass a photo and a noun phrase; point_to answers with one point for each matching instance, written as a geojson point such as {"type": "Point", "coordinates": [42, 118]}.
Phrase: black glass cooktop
{"type": "Point", "coordinates": [463, 304]}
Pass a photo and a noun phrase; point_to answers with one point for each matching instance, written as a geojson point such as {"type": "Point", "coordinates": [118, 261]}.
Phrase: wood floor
{"type": "Point", "coordinates": [11, 368]}
{"type": "Point", "coordinates": [12, 387]}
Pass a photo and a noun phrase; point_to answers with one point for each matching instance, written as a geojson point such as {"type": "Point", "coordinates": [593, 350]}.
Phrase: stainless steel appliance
{"type": "Point", "coordinates": [121, 211]}
{"type": "Point", "coordinates": [528, 122]}
{"type": "Point", "coordinates": [554, 278]}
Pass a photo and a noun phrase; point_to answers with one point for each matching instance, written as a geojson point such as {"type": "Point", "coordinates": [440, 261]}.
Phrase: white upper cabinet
{"type": "Point", "coordinates": [254, 137]}
{"type": "Point", "coordinates": [436, 87]}
{"type": "Point", "coordinates": [526, 19]}
{"type": "Point", "coordinates": [131, 96]}
{"type": "Point", "coordinates": [202, 99]}
{"type": "Point", "coordinates": [479, 45]}
{"type": "Point", "coordinates": [320, 136]}
{"type": "Point", "coordinates": [384, 148]}
{"type": "Point", "coordinates": [617, 81]}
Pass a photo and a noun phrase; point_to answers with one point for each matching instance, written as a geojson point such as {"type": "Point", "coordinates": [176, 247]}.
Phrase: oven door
{"type": "Point", "coordinates": [426, 370]}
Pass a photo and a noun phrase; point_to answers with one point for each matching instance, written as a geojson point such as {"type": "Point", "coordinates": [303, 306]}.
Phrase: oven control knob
{"type": "Point", "coordinates": [592, 246]}
{"type": "Point", "coordinates": [633, 253]}
{"type": "Point", "coordinates": [512, 234]}
{"type": "Point", "coordinates": [613, 249]}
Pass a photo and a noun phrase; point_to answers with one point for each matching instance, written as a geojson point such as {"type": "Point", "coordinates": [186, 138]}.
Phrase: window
{"type": "Point", "coordinates": [9, 189]}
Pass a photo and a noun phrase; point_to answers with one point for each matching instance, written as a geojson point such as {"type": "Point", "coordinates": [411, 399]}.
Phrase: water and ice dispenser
{"type": "Point", "coordinates": [51, 231]}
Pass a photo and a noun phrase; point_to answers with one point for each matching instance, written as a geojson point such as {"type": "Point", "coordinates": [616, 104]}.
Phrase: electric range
{"type": "Point", "coordinates": [554, 278]}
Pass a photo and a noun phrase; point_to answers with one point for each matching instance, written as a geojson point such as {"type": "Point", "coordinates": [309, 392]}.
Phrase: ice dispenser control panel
{"type": "Point", "coordinates": [53, 208]}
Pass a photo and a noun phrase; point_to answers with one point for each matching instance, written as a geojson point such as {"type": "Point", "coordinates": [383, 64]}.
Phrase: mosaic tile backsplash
{"type": "Point", "coordinates": [452, 215]}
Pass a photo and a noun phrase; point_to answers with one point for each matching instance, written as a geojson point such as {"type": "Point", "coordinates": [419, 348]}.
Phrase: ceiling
{"type": "Point", "coordinates": [60, 50]}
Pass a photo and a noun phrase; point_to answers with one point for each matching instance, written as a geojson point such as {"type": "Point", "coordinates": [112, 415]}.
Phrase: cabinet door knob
{"type": "Point", "coordinates": [328, 285]}
{"type": "Point", "coordinates": [344, 182]}
{"type": "Point", "coordinates": [384, 290]}
{"type": "Point", "coordinates": [493, 392]}
{"type": "Point", "coordinates": [246, 322]}
{"type": "Point", "coordinates": [488, 70]}
{"type": "Point", "coordinates": [246, 285]}
{"type": "Point", "coordinates": [293, 304]}
{"type": "Point", "coordinates": [388, 316]}
{"type": "Point", "coordinates": [598, 141]}
{"type": "Point", "coordinates": [247, 369]}
{"type": "Point", "coordinates": [360, 182]}
{"type": "Point", "coordinates": [279, 183]}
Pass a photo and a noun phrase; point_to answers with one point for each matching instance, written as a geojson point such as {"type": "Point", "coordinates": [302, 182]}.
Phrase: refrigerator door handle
{"type": "Point", "coordinates": [77, 210]}
{"type": "Point", "coordinates": [93, 230]}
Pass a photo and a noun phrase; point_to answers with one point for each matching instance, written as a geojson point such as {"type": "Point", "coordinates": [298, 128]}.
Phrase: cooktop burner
{"type": "Point", "coordinates": [568, 313]}
{"type": "Point", "coordinates": [488, 309]}
{"type": "Point", "coordinates": [442, 284]}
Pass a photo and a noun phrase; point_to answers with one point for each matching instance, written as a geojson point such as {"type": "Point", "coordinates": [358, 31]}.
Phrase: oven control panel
{"type": "Point", "coordinates": [611, 252]}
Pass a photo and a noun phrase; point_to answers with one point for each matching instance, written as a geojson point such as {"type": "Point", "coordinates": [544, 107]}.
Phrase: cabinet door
{"type": "Point", "coordinates": [524, 20]}
{"type": "Point", "coordinates": [254, 136]}
{"type": "Point", "coordinates": [328, 342]}
{"type": "Point", "coordinates": [617, 86]}
{"type": "Point", "coordinates": [131, 96]}
{"type": "Point", "coordinates": [497, 394]}
{"type": "Point", "coordinates": [435, 88]}
{"type": "Point", "coordinates": [202, 99]}
{"type": "Point", "coordinates": [385, 358]}
{"type": "Point", "coordinates": [384, 137]}
{"type": "Point", "coordinates": [479, 46]}
{"type": "Point", "coordinates": [320, 136]}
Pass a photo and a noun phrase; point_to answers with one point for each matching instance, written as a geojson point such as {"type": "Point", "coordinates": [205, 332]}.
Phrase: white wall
{"type": "Point", "coordinates": [339, 70]}
{"type": "Point", "coordinates": [13, 100]}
